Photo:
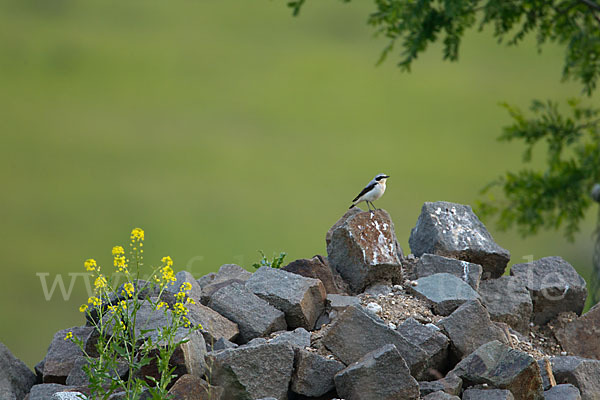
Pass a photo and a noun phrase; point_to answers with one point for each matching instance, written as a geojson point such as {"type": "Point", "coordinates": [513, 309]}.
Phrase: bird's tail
{"type": "Point", "coordinates": [353, 205]}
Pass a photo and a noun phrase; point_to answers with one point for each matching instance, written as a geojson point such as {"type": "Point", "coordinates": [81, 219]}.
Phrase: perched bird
{"type": "Point", "coordinates": [372, 191]}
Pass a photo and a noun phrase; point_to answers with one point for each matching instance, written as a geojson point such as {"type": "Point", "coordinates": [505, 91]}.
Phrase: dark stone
{"type": "Point", "coordinates": [209, 290]}
{"type": "Point", "coordinates": [45, 391]}
{"type": "Point", "coordinates": [357, 332]}
{"type": "Point", "coordinates": [445, 292]}
{"type": "Point", "coordinates": [439, 395]}
{"type": "Point", "coordinates": [299, 338]}
{"type": "Point", "coordinates": [183, 276]}
{"type": "Point", "coordinates": [554, 286]}
{"type": "Point", "coordinates": [380, 374]}
{"type": "Point", "coordinates": [78, 377]}
{"type": "Point", "coordinates": [62, 354]}
{"type": "Point", "coordinates": [450, 384]}
{"type": "Point", "coordinates": [432, 341]}
{"type": "Point", "coordinates": [582, 336]}
{"type": "Point", "coordinates": [487, 394]}
{"type": "Point", "coordinates": [228, 274]}
{"type": "Point", "coordinates": [453, 230]}
{"type": "Point", "coordinates": [67, 396]}
{"type": "Point", "coordinates": [214, 325]}
{"type": "Point", "coordinates": [223, 344]}
{"type": "Point", "coordinates": [580, 372]}
{"type": "Point", "coordinates": [507, 300]}
{"type": "Point", "coordinates": [253, 372]}
{"type": "Point", "coordinates": [301, 299]}
{"type": "Point", "coordinates": [318, 268]}
{"type": "Point", "coordinates": [430, 264]}
{"type": "Point", "coordinates": [338, 302]}
{"type": "Point", "coordinates": [254, 316]}
{"type": "Point", "coordinates": [502, 367]}
{"type": "Point", "coordinates": [470, 327]}
{"type": "Point", "coordinates": [16, 379]}
{"type": "Point", "coordinates": [363, 249]}
{"type": "Point", "coordinates": [190, 387]}
{"type": "Point", "coordinates": [562, 392]}
{"type": "Point", "coordinates": [313, 374]}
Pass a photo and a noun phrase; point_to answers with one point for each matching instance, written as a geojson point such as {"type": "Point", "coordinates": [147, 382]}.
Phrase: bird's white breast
{"type": "Point", "coordinates": [376, 193]}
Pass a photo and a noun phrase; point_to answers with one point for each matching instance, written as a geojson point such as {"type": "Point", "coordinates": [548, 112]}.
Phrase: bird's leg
{"type": "Point", "coordinates": [372, 211]}
{"type": "Point", "coordinates": [368, 206]}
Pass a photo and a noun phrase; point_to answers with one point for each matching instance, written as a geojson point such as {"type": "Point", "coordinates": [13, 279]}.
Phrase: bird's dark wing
{"type": "Point", "coordinates": [367, 189]}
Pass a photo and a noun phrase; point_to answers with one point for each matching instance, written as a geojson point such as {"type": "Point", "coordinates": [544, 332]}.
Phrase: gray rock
{"type": "Point", "coordinates": [445, 292]}
{"type": "Point", "coordinates": [507, 300]}
{"type": "Point", "coordinates": [228, 274]}
{"type": "Point", "coordinates": [338, 302]}
{"type": "Point", "coordinates": [318, 268]}
{"type": "Point", "coordinates": [313, 374]}
{"type": "Point", "coordinates": [68, 396]}
{"type": "Point", "coordinates": [254, 316]}
{"type": "Point", "coordinates": [581, 372]}
{"type": "Point", "coordinates": [78, 377]}
{"type": "Point", "coordinates": [209, 290]}
{"type": "Point", "coordinates": [253, 372]}
{"type": "Point", "coordinates": [562, 392]}
{"type": "Point", "coordinates": [16, 379]}
{"type": "Point", "coordinates": [214, 325]}
{"type": "Point", "coordinates": [45, 391]}
{"type": "Point", "coordinates": [450, 384]}
{"type": "Point", "coordinates": [299, 337]}
{"type": "Point", "coordinates": [432, 341]}
{"type": "Point", "coordinates": [363, 249]}
{"type": "Point", "coordinates": [554, 286]}
{"type": "Point", "coordinates": [430, 264]}
{"type": "Point", "coordinates": [378, 289]}
{"type": "Point", "coordinates": [347, 215]}
{"type": "Point", "coordinates": [470, 327]}
{"type": "Point", "coordinates": [439, 395]}
{"type": "Point", "coordinates": [582, 336]}
{"type": "Point", "coordinates": [223, 344]}
{"type": "Point", "coordinates": [190, 387]}
{"type": "Point", "coordinates": [380, 374]}
{"type": "Point", "coordinates": [357, 332]}
{"type": "Point", "coordinates": [487, 394]}
{"type": "Point", "coordinates": [183, 276]}
{"type": "Point", "coordinates": [502, 367]}
{"type": "Point", "coordinates": [453, 230]}
{"type": "Point", "coordinates": [62, 354]}
{"type": "Point", "coordinates": [301, 299]}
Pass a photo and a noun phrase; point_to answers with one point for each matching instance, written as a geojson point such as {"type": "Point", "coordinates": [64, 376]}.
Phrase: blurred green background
{"type": "Point", "coordinates": [222, 128]}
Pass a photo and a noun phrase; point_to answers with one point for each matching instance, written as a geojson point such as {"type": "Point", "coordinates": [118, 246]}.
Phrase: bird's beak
{"type": "Point", "coordinates": [387, 176]}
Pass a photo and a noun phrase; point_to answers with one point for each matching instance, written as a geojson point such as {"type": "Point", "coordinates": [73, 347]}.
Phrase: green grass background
{"type": "Point", "coordinates": [222, 128]}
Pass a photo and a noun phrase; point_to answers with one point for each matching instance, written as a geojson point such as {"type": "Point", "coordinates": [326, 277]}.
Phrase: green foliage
{"type": "Point", "coordinates": [558, 195]}
{"type": "Point", "coordinates": [276, 262]}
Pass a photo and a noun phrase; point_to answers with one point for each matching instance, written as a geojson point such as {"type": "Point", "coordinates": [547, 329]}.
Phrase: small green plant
{"type": "Point", "coordinates": [277, 261]}
{"type": "Point", "coordinates": [121, 337]}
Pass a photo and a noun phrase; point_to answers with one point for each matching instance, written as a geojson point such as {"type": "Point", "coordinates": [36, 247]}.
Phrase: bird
{"type": "Point", "coordinates": [373, 191]}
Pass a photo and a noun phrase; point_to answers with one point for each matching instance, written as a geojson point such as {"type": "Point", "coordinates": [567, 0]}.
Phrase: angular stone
{"type": "Point", "coordinates": [301, 299]}
{"type": "Point", "coordinates": [209, 290]}
{"type": "Point", "coordinates": [78, 377]}
{"type": "Point", "coordinates": [430, 264]}
{"type": "Point", "coordinates": [45, 391]}
{"type": "Point", "coordinates": [470, 327]}
{"type": "Point", "coordinates": [16, 379]}
{"type": "Point", "coordinates": [214, 325]}
{"type": "Point", "coordinates": [313, 374]}
{"type": "Point", "coordinates": [298, 338]}
{"type": "Point", "coordinates": [432, 341]}
{"type": "Point", "coordinates": [62, 354]}
{"type": "Point", "coordinates": [183, 276]}
{"type": "Point", "coordinates": [347, 215]}
{"type": "Point", "coordinates": [380, 374]}
{"type": "Point", "coordinates": [68, 396]}
{"type": "Point", "coordinates": [318, 268]}
{"type": "Point", "coordinates": [439, 395]}
{"type": "Point", "coordinates": [228, 274]}
{"type": "Point", "coordinates": [356, 332]}
{"type": "Point", "coordinates": [363, 249]}
{"type": "Point", "coordinates": [254, 316]}
{"type": "Point", "coordinates": [453, 230]}
{"type": "Point", "coordinates": [253, 372]}
{"type": "Point", "coordinates": [445, 292]}
{"type": "Point", "coordinates": [378, 289]}
{"type": "Point", "coordinates": [450, 384]}
{"type": "Point", "coordinates": [562, 392]}
{"type": "Point", "coordinates": [338, 302]}
{"type": "Point", "coordinates": [554, 286]}
{"type": "Point", "coordinates": [222, 344]}
{"type": "Point", "coordinates": [190, 387]}
{"type": "Point", "coordinates": [487, 394]}
{"type": "Point", "coordinates": [582, 336]}
{"type": "Point", "coordinates": [502, 367]}
{"type": "Point", "coordinates": [507, 300]}
{"type": "Point", "coordinates": [580, 372]}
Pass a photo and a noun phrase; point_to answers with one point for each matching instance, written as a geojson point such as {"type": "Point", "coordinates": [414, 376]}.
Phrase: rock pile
{"type": "Point", "coordinates": [367, 323]}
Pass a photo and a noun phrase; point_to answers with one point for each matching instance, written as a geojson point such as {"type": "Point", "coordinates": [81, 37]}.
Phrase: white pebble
{"type": "Point", "coordinates": [414, 283]}
{"type": "Point", "coordinates": [398, 287]}
{"type": "Point", "coordinates": [531, 324]}
{"type": "Point", "coordinates": [542, 339]}
{"type": "Point", "coordinates": [392, 325]}
{"type": "Point", "coordinates": [485, 385]}
{"type": "Point", "coordinates": [393, 302]}
{"type": "Point", "coordinates": [374, 307]}
{"type": "Point", "coordinates": [563, 353]}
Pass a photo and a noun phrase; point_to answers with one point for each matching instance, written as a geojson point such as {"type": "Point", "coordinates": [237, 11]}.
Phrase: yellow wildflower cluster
{"type": "Point", "coordinates": [137, 235]}
{"type": "Point", "coordinates": [90, 265]}
{"type": "Point", "coordinates": [161, 305]}
{"type": "Point", "coordinates": [83, 308]}
{"type": "Point", "coordinates": [94, 301]}
{"type": "Point", "coordinates": [69, 335]}
{"type": "Point", "coordinates": [167, 273]}
{"type": "Point", "coordinates": [119, 260]}
{"type": "Point", "coordinates": [100, 282]}
{"type": "Point", "coordinates": [128, 290]}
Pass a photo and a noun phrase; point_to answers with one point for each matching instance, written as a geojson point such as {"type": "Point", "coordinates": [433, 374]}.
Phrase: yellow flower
{"type": "Point", "coordinates": [90, 265]}
{"type": "Point", "coordinates": [180, 296]}
{"type": "Point", "coordinates": [180, 309]}
{"type": "Point", "coordinates": [168, 276]}
{"type": "Point", "coordinates": [118, 250]}
{"type": "Point", "coordinates": [94, 301]}
{"type": "Point", "coordinates": [119, 262]}
{"type": "Point", "coordinates": [100, 282]}
{"type": "Point", "coordinates": [185, 287]}
{"type": "Point", "coordinates": [83, 307]}
{"type": "Point", "coordinates": [137, 234]}
{"type": "Point", "coordinates": [69, 335]}
{"type": "Point", "coordinates": [190, 301]}
{"type": "Point", "coordinates": [167, 260]}
{"type": "Point", "coordinates": [161, 305]}
{"type": "Point", "coordinates": [123, 304]}
{"type": "Point", "coordinates": [128, 287]}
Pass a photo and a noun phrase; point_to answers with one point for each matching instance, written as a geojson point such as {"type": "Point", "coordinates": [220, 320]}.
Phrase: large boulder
{"type": "Point", "coordinates": [507, 300]}
{"type": "Point", "coordinates": [580, 372]}
{"type": "Point", "coordinates": [16, 379]}
{"type": "Point", "coordinates": [254, 316]}
{"type": "Point", "coordinates": [62, 354]}
{"type": "Point", "coordinates": [430, 264]}
{"type": "Point", "coordinates": [301, 299]}
{"type": "Point", "coordinates": [363, 249]}
{"type": "Point", "coordinates": [450, 384]}
{"type": "Point", "coordinates": [356, 332]}
{"type": "Point", "coordinates": [313, 374]}
{"type": "Point", "coordinates": [562, 392]}
{"type": "Point", "coordinates": [502, 367]}
{"type": "Point", "coordinates": [228, 274]}
{"type": "Point", "coordinates": [453, 230]}
{"type": "Point", "coordinates": [470, 327]}
{"type": "Point", "coordinates": [554, 286]}
{"type": "Point", "coordinates": [253, 372]}
{"type": "Point", "coordinates": [432, 341]}
{"type": "Point", "coordinates": [214, 325]}
{"type": "Point", "coordinates": [581, 337]}
{"type": "Point", "coordinates": [318, 268]}
{"type": "Point", "coordinates": [380, 374]}
{"type": "Point", "coordinates": [445, 292]}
